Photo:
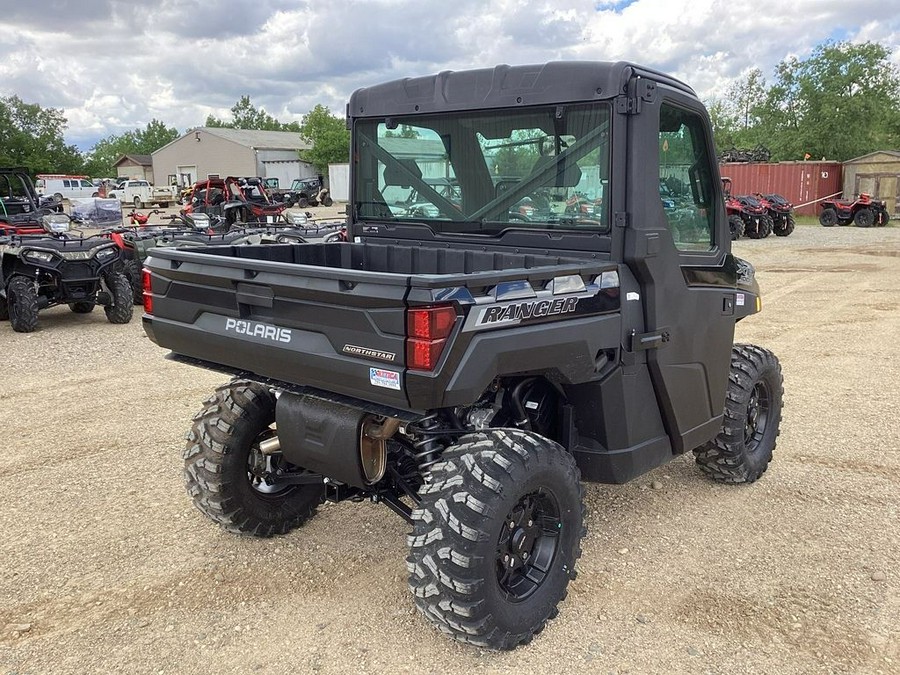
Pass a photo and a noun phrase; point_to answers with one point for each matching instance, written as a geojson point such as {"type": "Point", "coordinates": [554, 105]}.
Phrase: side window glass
{"type": "Point", "coordinates": [685, 179]}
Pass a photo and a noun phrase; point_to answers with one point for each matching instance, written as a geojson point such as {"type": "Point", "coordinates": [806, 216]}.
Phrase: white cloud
{"type": "Point", "coordinates": [113, 65]}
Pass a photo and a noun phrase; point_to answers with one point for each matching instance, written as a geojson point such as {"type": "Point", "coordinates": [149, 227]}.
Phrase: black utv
{"type": "Point", "coordinates": [40, 271]}
{"type": "Point", "coordinates": [471, 362]}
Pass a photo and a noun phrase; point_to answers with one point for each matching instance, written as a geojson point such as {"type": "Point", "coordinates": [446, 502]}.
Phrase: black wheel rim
{"type": "Point", "coordinates": [263, 469]}
{"type": "Point", "coordinates": [758, 408]}
{"type": "Point", "coordinates": [527, 545]}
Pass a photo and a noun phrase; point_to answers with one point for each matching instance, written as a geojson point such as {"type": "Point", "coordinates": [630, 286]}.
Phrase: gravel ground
{"type": "Point", "coordinates": [107, 568]}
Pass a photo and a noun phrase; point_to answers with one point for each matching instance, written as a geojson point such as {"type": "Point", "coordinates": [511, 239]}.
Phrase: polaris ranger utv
{"type": "Point", "coordinates": [469, 365]}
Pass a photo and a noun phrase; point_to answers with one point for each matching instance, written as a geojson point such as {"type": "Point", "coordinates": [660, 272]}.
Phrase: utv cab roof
{"type": "Point", "coordinates": [503, 87]}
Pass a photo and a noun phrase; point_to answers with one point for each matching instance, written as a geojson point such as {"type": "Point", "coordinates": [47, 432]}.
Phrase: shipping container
{"type": "Point", "coordinates": [804, 184]}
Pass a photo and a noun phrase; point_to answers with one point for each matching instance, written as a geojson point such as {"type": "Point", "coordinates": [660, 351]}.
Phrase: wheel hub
{"type": "Point", "coordinates": [757, 415]}
{"type": "Point", "coordinates": [527, 545]}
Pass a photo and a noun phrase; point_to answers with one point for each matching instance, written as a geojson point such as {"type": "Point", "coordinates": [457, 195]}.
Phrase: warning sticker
{"type": "Point", "coordinates": [389, 379]}
{"type": "Point", "coordinates": [739, 300]}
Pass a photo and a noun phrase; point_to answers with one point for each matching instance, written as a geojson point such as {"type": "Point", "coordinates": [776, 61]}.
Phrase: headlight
{"type": "Point", "coordinates": [39, 256]}
{"type": "Point", "coordinates": [56, 222]}
{"type": "Point", "coordinates": [201, 221]}
{"type": "Point", "coordinates": [105, 253]}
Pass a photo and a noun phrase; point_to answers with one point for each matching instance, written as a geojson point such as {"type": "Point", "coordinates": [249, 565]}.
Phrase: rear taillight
{"type": "Point", "coordinates": [427, 330]}
{"type": "Point", "coordinates": [148, 296]}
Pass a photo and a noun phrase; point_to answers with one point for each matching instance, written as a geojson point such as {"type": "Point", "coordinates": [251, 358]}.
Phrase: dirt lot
{"type": "Point", "coordinates": [107, 568]}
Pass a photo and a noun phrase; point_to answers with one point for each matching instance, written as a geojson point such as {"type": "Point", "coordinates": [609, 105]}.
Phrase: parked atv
{"type": "Point", "coordinates": [40, 271]}
{"type": "Point", "coordinates": [781, 211]}
{"type": "Point", "coordinates": [746, 216]}
{"type": "Point", "coordinates": [307, 192]}
{"type": "Point", "coordinates": [758, 224]}
{"type": "Point", "coordinates": [864, 211]}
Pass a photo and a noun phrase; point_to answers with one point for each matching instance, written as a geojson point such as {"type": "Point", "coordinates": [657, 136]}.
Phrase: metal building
{"type": "Point", "coordinates": [232, 152]}
{"type": "Point", "coordinates": [878, 174]}
{"type": "Point", "coordinates": [803, 183]}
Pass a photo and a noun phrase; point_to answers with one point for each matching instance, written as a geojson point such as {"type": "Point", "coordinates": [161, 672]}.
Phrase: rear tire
{"type": "Point", "coordinates": [736, 227]}
{"type": "Point", "coordinates": [132, 269]}
{"type": "Point", "coordinates": [82, 307]}
{"type": "Point", "coordinates": [328, 201]}
{"type": "Point", "coordinates": [753, 403]}
{"type": "Point", "coordinates": [138, 204]}
{"type": "Point", "coordinates": [828, 217]}
{"type": "Point", "coordinates": [221, 444]}
{"type": "Point", "coordinates": [302, 202]}
{"type": "Point", "coordinates": [885, 218]}
{"type": "Point", "coordinates": [22, 304]}
{"type": "Point", "coordinates": [122, 308]}
{"type": "Point", "coordinates": [496, 537]}
{"type": "Point", "coordinates": [864, 218]}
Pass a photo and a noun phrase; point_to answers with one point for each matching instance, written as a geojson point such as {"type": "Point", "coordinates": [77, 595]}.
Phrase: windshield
{"type": "Point", "coordinates": [486, 171]}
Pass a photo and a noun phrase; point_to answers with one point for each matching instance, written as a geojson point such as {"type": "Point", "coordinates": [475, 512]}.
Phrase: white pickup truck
{"type": "Point", "coordinates": [140, 193]}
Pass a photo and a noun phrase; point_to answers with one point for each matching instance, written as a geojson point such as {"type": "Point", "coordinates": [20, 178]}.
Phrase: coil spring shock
{"type": "Point", "coordinates": [426, 450]}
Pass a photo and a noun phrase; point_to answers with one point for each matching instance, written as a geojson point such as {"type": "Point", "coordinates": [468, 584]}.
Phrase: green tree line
{"type": "Point", "coordinates": [841, 102]}
{"type": "Point", "coordinates": [34, 138]}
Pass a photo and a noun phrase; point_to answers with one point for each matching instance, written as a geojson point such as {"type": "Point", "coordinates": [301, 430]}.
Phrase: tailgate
{"type": "Point", "coordinates": [332, 328]}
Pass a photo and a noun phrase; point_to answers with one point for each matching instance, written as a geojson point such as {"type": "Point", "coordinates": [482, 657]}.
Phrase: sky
{"type": "Point", "coordinates": [113, 65]}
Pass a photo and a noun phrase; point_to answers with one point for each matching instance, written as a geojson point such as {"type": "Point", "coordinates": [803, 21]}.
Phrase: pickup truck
{"type": "Point", "coordinates": [468, 364]}
{"type": "Point", "coordinates": [141, 193]}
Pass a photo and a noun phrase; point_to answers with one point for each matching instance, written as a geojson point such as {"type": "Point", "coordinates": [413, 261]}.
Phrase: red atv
{"type": "Point", "coordinates": [781, 211]}
{"type": "Point", "coordinates": [864, 211]}
{"type": "Point", "coordinates": [746, 215]}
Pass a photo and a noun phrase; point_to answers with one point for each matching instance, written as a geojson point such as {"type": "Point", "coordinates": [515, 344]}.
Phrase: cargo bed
{"type": "Point", "coordinates": [331, 316]}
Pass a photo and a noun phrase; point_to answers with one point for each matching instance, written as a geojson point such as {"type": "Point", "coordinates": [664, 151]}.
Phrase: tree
{"type": "Point", "coordinates": [33, 138]}
{"type": "Point", "coordinates": [841, 102]}
{"type": "Point", "coordinates": [100, 159]}
{"type": "Point", "coordinates": [329, 137]}
{"type": "Point", "coordinates": [244, 115]}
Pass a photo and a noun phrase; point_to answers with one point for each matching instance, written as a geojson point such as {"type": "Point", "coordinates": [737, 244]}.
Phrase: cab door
{"type": "Point", "coordinates": [675, 226]}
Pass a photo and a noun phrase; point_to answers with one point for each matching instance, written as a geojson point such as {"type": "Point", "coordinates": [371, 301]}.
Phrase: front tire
{"type": "Point", "coordinates": [496, 537]}
{"type": "Point", "coordinates": [122, 308]}
{"type": "Point", "coordinates": [22, 304]}
{"type": "Point", "coordinates": [786, 226]}
{"type": "Point", "coordinates": [222, 447]}
{"type": "Point", "coordinates": [736, 227]}
{"type": "Point", "coordinates": [138, 204]}
{"type": "Point", "coordinates": [753, 403]}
